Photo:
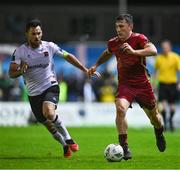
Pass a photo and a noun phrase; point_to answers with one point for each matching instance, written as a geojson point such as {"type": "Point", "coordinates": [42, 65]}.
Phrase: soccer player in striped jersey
{"type": "Point", "coordinates": [34, 61]}
{"type": "Point", "coordinates": [131, 50]}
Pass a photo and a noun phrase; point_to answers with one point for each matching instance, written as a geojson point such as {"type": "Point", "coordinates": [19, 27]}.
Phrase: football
{"type": "Point", "coordinates": [113, 153]}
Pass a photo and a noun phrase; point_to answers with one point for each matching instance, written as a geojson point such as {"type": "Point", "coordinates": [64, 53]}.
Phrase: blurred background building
{"type": "Point", "coordinates": [66, 20]}
{"type": "Point", "coordinates": [82, 28]}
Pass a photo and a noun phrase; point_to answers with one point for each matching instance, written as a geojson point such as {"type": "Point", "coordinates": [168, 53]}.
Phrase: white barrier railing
{"type": "Point", "coordinates": [77, 114]}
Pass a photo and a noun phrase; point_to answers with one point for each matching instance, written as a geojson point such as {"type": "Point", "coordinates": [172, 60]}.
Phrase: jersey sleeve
{"type": "Point", "coordinates": [57, 50]}
{"type": "Point", "coordinates": [16, 56]}
{"type": "Point", "coordinates": [109, 46]}
{"type": "Point", "coordinates": [143, 40]}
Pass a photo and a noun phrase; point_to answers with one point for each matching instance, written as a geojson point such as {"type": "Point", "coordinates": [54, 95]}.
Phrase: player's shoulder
{"type": "Point", "coordinates": [159, 57]}
{"type": "Point", "coordinates": [113, 40]}
{"type": "Point", "coordinates": [48, 44]}
{"type": "Point", "coordinates": [138, 35]}
{"type": "Point", "coordinates": [174, 54]}
{"type": "Point", "coordinates": [21, 48]}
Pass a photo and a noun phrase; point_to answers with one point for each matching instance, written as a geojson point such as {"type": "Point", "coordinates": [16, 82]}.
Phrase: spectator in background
{"type": "Point", "coordinates": [88, 92]}
{"type": "Point", "coordinates": [24, 96]}
{"type": "Point", "coordinates": [108, 89]}
{"type": "Point", "coordinates": [5, 86]}
{"type": "Point", "coordinates": [166, 66]}
{"type": "Point", "coordinates": [15, 93]}
{"type": "Point", "coordinates": [63, 88]}
{"type": "Point", "coordinates": [72, 88]}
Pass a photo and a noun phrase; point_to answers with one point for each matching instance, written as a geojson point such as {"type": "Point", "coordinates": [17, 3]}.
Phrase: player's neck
{"type": "Point", "coordinates": [33, 46]}
{"type": "Point", "coordinates": [166, 53]}
{"type": "Point", "coordinates": [126, 38]}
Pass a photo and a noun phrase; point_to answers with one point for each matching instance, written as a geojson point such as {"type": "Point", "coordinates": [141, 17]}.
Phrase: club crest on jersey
{"type": "Point", "coordinates": [46, 54]}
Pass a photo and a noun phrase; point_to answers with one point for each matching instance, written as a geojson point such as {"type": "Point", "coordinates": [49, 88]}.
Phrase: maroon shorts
{"type": "Point", "coordinates": [142, 94]}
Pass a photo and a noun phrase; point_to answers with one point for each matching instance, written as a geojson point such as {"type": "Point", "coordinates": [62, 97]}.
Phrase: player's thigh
{"type": "Point", "coordinates": [122, 105]}
{"type": "Point", "coordinates": [51, 99]}
{"type": "Point", "coordinates": [36, 106]}
{"type": "Point", "coordinates": [124, 97]}
{"type": "Point", "coordinates": [145, 97]}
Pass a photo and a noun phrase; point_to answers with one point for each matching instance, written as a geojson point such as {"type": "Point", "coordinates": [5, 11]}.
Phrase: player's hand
{"type": "Point", "coordinates": [97, 74]}
{"type": "Point", "coordinates": [127, 49]}
{"type": "Point", "coordinates": [24, 67]}
{"type": "Point", "coordinates": [92, 71]}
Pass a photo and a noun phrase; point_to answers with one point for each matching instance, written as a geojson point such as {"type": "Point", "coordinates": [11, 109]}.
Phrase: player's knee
{"type": "Point", "coordinates": [49, 113]}
{"type": "Point", "coordinates": [121, 111]}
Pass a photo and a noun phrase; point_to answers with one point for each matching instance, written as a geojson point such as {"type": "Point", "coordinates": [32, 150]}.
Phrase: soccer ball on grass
{"type": "Point", "coordinates": [114, 153]}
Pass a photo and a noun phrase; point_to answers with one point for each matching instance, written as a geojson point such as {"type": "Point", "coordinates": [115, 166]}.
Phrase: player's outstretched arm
{"type": "Point", "coordinates": [16, 70]}
{"type": "Point", "coordinates": [74, 61]}
{"type": "Point", "coordinates": [105, 56]}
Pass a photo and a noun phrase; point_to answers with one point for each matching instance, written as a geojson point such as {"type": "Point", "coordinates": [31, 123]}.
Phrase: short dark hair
{"type": "Point", "coordinates": [33, 23]}
{"type": "Point", "coordinates": [166, 41]}
{"type": "Point", "coordinates": [127, 17]}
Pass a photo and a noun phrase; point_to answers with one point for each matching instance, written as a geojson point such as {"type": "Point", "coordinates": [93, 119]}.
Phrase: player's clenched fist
{"type": "Point", "coordinates": [23, 67]}
{"type": "Point", "coordinates": [92, 71]}
{"type": "Point", "coordinates": [127, 49]}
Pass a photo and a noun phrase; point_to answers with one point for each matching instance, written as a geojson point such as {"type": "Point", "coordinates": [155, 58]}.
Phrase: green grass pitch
{"type": "Point", "coordinates": [33, 147]}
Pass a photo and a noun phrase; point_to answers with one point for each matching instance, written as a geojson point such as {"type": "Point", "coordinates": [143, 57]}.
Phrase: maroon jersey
{"type": "Point", "coordinates": [132, 73]}
{"type": "Point", "coordinates": [131, 68]}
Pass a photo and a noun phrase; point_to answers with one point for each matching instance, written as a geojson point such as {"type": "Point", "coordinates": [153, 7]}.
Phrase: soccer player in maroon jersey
{"type": "Point", "coordinates": [131, 50]}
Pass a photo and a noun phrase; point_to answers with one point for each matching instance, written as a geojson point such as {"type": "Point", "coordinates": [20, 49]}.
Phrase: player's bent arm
{"type": "Point", "coordinates": [149, 50]}
{"type": "Point", "coordinates": [14, 70]}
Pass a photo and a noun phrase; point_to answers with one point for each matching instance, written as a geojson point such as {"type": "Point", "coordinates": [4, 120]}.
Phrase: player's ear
{"type": "Point", "coordinates": [26, 34]}
{"type": "Point", "coordinates": [131, 25]}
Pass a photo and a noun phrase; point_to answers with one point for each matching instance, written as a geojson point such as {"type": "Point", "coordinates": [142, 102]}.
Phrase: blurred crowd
{"type": "Point", "coordinates": [72, 88]}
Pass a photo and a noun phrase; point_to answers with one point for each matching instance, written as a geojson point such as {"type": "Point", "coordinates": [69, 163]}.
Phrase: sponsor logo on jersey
{"type": "Point", "coordinates": [46, 54]}
{"type": "Point", "coordinates": [38, 66]}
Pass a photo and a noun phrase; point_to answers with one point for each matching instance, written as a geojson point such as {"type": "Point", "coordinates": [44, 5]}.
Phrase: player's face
{"type": "Point", "coordinates": [123, 29]}
{"type": "Point", "coordinates": [166, 47]}
{"type": "Point", "coordinates": [34, 36]}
